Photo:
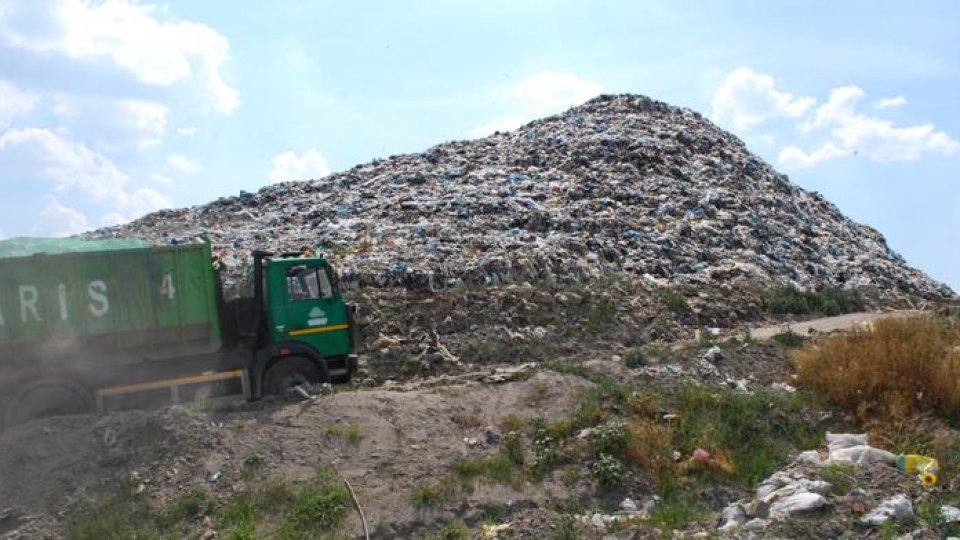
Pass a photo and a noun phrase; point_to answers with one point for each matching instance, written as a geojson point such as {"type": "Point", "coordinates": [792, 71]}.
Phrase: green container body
{"type": "Point", "coordinates": [133, 301]}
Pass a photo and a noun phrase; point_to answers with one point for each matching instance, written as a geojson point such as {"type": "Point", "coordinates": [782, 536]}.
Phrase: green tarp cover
{"type": "Point", "coordinates": [24, 247]}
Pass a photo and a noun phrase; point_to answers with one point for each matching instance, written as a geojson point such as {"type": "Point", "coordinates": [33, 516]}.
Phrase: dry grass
{"type": "Point", "coordinates": [899, 367]}
{"type": "Point", "coordinates": [650, 448]}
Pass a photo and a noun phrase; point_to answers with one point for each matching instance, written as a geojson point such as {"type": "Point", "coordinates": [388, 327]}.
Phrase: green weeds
{"type": "Point", "coordinates": [788, 299]}
{"type": "Point", "coordinates": [277, 510]}
{"type": "Point", "coordinates": [789, 339]}
{"type": "Point", "coordinates": [351, 433]}
{"type": "Point", "coordinates": [675, 302]}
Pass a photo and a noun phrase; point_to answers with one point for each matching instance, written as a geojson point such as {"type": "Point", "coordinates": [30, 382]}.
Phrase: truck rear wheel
{"type": "Point", "coordinates": [289, 373]}
{"type": "Point", "coordinates": [45, 398]}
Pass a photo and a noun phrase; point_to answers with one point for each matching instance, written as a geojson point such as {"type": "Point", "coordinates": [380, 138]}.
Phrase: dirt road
{"type": "Point", "coordinates": [828, 324]}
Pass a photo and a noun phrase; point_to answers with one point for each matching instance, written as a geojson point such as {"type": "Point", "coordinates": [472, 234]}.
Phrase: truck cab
{"type": "Point", "coordinates": [305, 331]}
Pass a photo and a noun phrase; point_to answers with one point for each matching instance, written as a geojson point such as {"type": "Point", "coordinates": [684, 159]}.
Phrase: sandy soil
{"type": "Point", "coordinates": [407, 437]}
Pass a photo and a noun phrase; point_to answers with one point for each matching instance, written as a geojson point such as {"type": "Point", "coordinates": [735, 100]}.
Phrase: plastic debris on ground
{"type": "Point", "coordinates": [853, 448]}
{"type": "Point", "coordinates": [897, 508]}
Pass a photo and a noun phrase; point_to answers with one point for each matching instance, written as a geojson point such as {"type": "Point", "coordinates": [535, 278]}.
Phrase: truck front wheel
{"type": "Point", "coordinates": [289, 373]}
{"type": "Point", "coordinates": [52, 397]}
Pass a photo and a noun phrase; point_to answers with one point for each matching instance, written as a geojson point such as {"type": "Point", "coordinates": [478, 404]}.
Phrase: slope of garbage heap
{"type": "Point", "coordinates": [619, 184]}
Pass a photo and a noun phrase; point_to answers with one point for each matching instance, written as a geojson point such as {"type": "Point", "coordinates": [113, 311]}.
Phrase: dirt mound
{"type": "Point", "coordinates": [45, 459]}
{"type": "Point", "coordinates": [383, 442]}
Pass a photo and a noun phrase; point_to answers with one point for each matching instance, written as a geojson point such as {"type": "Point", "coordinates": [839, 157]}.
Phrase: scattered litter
{"type": "Point", "coordinates": [702, 455]}
{"type": "Point", "coordinates": [899, 508]}
{"type": "Point", "coordinates": [803, 501]}
{"type": "Point", "coordinates": [926, 469]}
{"type": "Point", "coordinates": [853, 448]}
{"type": "Point", "coordinates": [714, 354]}
{"type": "Point", "coordinates": [810, 457]}
{"type": "Point", "coordinates": [783, 386]}
{"type": "Point", "coordinates": [628, 510]}
{"type": "Point", "coordinates": [493, 531]}
{"type": "Point", "coordinates": [950, 514]}
{"type": "Point", "coordinates": [733, 517]}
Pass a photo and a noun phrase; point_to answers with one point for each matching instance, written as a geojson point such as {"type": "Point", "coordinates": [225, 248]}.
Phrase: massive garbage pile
{"type": "Point", "coordinates": [621, 184]}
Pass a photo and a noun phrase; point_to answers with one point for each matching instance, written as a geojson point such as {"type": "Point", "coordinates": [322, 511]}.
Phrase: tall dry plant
{"type": "Point", "coordinates": [897, 366]}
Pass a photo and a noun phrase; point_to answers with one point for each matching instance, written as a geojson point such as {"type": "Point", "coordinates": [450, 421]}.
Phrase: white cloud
{"type": "Point", "coordinates": [71, 165]}
{"type": "Point", "coordinates": [886, 103]}
{"type": "Point", "coordinates": [501, 123]}
{"type": "Point", "coordinates": [140, 201]}
{"type": "Point", "coordinates": [13, 103]}
{"type": "Point", "coordinates": [147, 118]}
{"type": "Point", "coordinates": [161, 179]}
{"type": "Point", "coordinates": [143, 200]}
{"type": "Point", "coordinates": [130, 36]}
{"type": "Point", "coordinates": [794, 156]}
{"type": "Point", "coordinates": [63, 220]}
{"type": "Point", "coordinates": [851, 132]}
{"type": "Point", "coordinates": [182, 163]}
{"type": "Point", "coordinates": [119, 120]}
{"type": "Point", "coordinates": [551, 91]}
{"type": "Point", "coordinates": [538, 95]}
{"type": "Point", "coordinates": [747, 98]}
{"type": "Point", "coordinates": [187, 132]}
{"type": "Point", "coordinates": [307, 166]}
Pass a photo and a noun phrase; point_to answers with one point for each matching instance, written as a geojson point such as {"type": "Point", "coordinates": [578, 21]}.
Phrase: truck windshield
{"type": "Point", "coordinates": [308, 283]}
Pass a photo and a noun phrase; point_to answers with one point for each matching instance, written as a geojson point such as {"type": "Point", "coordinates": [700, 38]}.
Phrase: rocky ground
{"type": "Point", "coordinates": [470, 454]}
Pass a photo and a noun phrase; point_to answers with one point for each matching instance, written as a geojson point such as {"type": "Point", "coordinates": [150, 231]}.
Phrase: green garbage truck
{"type": "Point", "coordinates": [91, 325]}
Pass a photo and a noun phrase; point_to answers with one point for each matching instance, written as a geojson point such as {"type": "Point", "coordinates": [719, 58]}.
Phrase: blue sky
{"type": "Point", "coordinates": [112, 109]}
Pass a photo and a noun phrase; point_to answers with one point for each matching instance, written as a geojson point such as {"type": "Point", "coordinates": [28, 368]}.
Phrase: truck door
{"type": "Point", "coordinates": [315, 312]}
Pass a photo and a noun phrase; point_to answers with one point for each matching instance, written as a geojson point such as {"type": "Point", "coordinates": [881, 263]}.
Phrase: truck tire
{"type": "Point", "coordinates": [49, 397]}
{"type": "Point", "coordinates": [291, 372]}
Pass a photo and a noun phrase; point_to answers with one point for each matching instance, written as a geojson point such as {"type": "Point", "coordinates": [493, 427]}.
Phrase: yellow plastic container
{"type": "Point", "coordinates": [926, 468]}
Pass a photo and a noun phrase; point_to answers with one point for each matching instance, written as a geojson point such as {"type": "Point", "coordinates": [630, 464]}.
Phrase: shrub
{"type": "Point", "coordinates": [115, 519]}
{"type": "Point", "coordinates": [610, 438]}
{"type": "Point", "coordinates": [352, 433]}
{"type": "Point", "coordinates": [317, 507]}
{"type": "Point", "coordinates": [513, 447]}
{"type": "Point", "coordinates": [608, 471]}
{"type": "Point", "coordinates": [495, 469]}
{"type": "Point", "coordinates": [675, 512]}
{"type": "Point", "coordinates": [840, 477]}
{"type": "Point", "coordinates": [675, 302]}
{"type": "Point", "coordinates": [425, 495]}
{"type": "Point", "coordinates": [454, 530]}
{"type": "Point", "coordinates": [900, 366]}
{"type": "Point", "coordinates": [189, 504]}
{"type": "Point", "coordinates": [650, 448]}
{"type": "Point", "coordinates": [599, 314]}
{"type": "Point", "coordinates": [789, 339]}
{"type": "Point", "coordinates": [788, 299]}
{"type": "Point", "coordinates": [836, 301]}
{"type": "Point", "coordinates": [546, 449]}
{"type": "Point", "coordinates": [635, 358]}
{"type": "Point", "coordinates": [565, 528]}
